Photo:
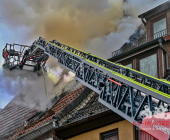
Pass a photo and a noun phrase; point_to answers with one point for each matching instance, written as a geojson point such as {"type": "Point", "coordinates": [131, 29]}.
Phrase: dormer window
{"type": "Point", "coordinates": [159, 28]}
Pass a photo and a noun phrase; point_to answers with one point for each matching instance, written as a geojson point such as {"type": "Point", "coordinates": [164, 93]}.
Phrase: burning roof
{"type": "Point", "coordinates": [41, 118]}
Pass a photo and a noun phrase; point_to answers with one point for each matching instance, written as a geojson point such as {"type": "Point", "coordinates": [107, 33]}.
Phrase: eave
{"type": "Point", "coordinates": [163, 7]}
{"type": "Point", "coordinates": [37, 132]}
{"type": "Point", "coordinates": [88, 124]}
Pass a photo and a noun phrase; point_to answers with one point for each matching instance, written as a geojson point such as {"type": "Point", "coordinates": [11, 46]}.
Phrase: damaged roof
{"type": "Point", "coordinates": [74, 108]}
{"type": "Point", "coordinates": [21, 108]}
{"type": "Point", "coordinates": [42, 118]}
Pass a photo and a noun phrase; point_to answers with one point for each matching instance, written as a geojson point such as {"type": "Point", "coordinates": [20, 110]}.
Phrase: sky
{"type": "Point", "coordinates": [87, 25]}
{"type": "Point", "coordinates": [6, 36]}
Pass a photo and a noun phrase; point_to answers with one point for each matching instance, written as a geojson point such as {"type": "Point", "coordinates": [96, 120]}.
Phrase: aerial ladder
{"type": "Point", "coordinates": [130, 93]}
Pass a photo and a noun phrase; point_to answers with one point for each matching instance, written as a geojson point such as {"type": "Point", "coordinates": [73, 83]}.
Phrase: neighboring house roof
{"type": "Point", "coordinates": [74, 107]}
{"type": "Point", "coordinates": [84, 118]}
{"type": "Point", "coordinates": [70, 107]}
{"type": "Point", "coordinates": [93, 107]}
{"type": "Point", "coordinates": [21, 108]}
{"type": "Point", "coordinates": [13, 113]}
{"type": "Point", "coordinates": [41, 119]}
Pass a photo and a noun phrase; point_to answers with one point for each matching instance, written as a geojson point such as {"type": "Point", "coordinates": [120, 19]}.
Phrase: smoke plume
{"type": "Point", "coordinates": [37, 92]}
{"type": "Point", "coordinates": [87, 25]}
{"type": "Point", "coordinates": [70, 22]}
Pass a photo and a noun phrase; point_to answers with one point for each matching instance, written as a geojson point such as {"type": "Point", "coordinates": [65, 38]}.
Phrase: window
{"type": "Point", "coordinates": [129, 65]}
{"type": "Point", "coordinates": [112, 135]}
{"type": "Point", "coordinates": [148, 65]}
{"type": "Point", "coordinates": [159, 28]}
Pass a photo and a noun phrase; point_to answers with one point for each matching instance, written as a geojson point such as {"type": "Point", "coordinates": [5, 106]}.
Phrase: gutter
{"type": "Point", "coordinates": [37, 132]}
{"type": "Point", "coordinates": [144, 21]}
{"type": "Point", "coordinates": [163, 50]}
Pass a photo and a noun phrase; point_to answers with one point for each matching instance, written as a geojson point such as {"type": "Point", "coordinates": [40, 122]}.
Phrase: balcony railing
{"type": "Point", "coordinates": [140, 42]}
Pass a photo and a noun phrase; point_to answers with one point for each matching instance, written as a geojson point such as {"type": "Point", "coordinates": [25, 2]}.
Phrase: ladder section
{"type": "Point", "coordinates": [130, 93]}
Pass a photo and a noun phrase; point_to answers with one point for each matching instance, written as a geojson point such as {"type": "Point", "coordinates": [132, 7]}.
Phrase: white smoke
{"type": "Point", "coordinates": [36, 91]}
{"type": "Point", "coordinates": [104, 45]}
